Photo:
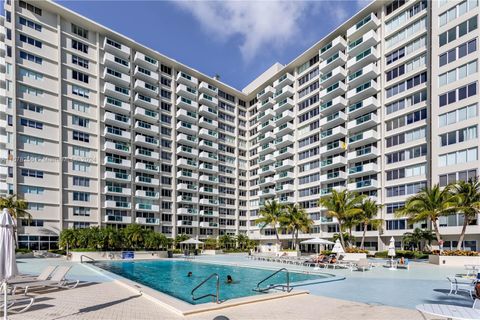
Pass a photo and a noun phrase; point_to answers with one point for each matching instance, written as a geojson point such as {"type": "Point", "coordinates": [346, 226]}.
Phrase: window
{"type": "Point", "coordinates": [31, 173]}
{"type": "Point", "coordinates": [31, 107]}
{"type": "Point", "coordinates": [81, 107]}
{"type": "Point", "coordinates": [80, 121]}
{"type": "Point", "coordinates": [114, 44]}
{"type": "Point", "coordinates": [81, 181]}
{"type": "Point", "coordinates": [458, 94]}
{"type": "Point", "coordinates": [30, 90]}
{"type": "Point", "coordinates": [394, 5]}
{"type": "Point", "coordinates": [406, 85]}
{"type": "Point", "coordinates": [79, 46]}
{"type": "Point", "coordinates": [32, 190]}
{"type": "Point", "coordinates": [32, 140]}
{"type": "Point", "coordinates": [458, 52]}
{"type": "Point", "coordinates": [81, 136]}
{"type": "Point", "coordinates": [81, 211]}
{"type": "Point", "coordinates": [456, 11]}
{"type": "Point", "coordinates": [30, 40]}
{"type": "Point", "coordinates": [30, 57]}
{"type": "Point", "coordinates": [406, 154]}
{"type": "Point", "coordinates": [30, 7]}
{"type": "Point", "coordinates": [80, 61]}
{"type": "Point", "coordinates": [29, 24]}
{"type": "Point", "coordinates": [410, 118]}
{"type": "Point", "coordinates": [401, 173]}
{"type": "Point", "coordinates": [406, 102]}
{"type": "Point", "coordinates": [392, 207]}
{"type": "Point", "coordinates": [80, 166]}
{"type": "Point", "coordinates": [458, 31]}
{"type": "Point", "coordinates": [457, 157]}
{"type": "Point", "coordinates": [405, 16]}
{"type": "Point", "coordinates": [30, 74]}
{"type": "Point", "coordinates": [458, 115]}
{"type": "Point", "coordinates": [79, 91]}
{"type": "Point", "coordinates": [81, 196]}
{"type": "Point", "coordinates": [165, 69]}
{"type": "Point", "coordinates": [79, 31]}
{"type": "Point", "coordinates": [406, 189]}
{"type": "Point", "coordinates": [458, 136]}
{"type": "Point", "coordinates": [466, 175]}
{"type": "Point", "coordinates": [407, 32]}
{"type": "Point", "coordinates": [411, 65]}
{"type": "Point", "coordinates": [457, 73]}
{"type": "Point", "coordinates": [79, 76]}
{"type": "Point", "coordinates": [31, 123]}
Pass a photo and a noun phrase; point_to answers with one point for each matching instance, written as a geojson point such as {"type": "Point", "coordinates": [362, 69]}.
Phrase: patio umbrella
{"type": "Point", "coordinates": [337, 248]}
{"type": "Point", "coordinates": [8, 265]}
{"type": "Point", "coordinates": [191, 241]}
{"type": "Point", "coordinates": [317, 241]}
{"type": "Point", "coordinates": [391, 252]}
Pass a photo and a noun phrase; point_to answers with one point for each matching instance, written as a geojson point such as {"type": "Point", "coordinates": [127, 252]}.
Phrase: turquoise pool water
{"type": "Point", "coordinates": [170, 277]}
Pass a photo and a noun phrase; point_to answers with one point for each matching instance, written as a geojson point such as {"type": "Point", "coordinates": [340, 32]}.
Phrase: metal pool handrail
{"type": "Point", "coordinates": [275, 286]}
{"type": "Point", "coordinates": [85, 256]}
{"type": "Point", "coordinates": [215, 296]}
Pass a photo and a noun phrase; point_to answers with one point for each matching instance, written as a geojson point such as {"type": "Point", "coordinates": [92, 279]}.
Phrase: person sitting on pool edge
{"type": "Point", "coordinates": [229, 279]}
{"type": "Point", "coordinates": [189, 274]}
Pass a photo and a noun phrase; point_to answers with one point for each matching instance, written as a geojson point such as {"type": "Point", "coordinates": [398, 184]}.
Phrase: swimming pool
{"type": "Point", "coordinates": [170, 277]}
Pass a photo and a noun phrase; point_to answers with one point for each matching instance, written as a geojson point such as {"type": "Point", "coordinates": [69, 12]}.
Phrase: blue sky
{"type": "Point", "coordinates": [236, 39]}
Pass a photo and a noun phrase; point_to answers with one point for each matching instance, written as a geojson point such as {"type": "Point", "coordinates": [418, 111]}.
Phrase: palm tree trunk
{"type": "Point", "coordinates": [466, 221]}
{"type": "Point", "coordinates": [341, 234]}
{"type": "Point", "coordinates": [278, 238]}
{"type": "Point", "coordinates": [296, 241]}
{"type": "Point", "coordinates": [293, 239]}
{"type": "Point", "coordinates": [437, 232]}
{"type": "Point", "coordinates": [363, 236]}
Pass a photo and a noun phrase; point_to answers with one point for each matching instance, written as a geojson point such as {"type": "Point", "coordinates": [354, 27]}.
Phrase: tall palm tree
{"type": "Point", "coordinates": [429, 204]}
{"type": "Point", "coordinates": [296, 219]}
{"type": "Point", "coordinates": [17, 209]}
{"type": "Point", "coordinates": [368, 216]}
{"type": "Point", "coordinates": [134, 235]}
{"type": "Point", "coordinates": [271, 214]}
{"type": "Point", "coordinates": [242, 241]}
{"type": "Point", "coordinates": [413, 239]}
{"type": "Point", "coordinates": [342, 205]}
{"type": "Point", "coordinates": [468, 203]}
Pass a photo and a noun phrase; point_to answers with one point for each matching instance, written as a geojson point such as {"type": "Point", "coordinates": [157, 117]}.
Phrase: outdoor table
{"type": "Point", "coordinates": [472, 268]}
{"type": "Point", "coordinates": [449, 311]}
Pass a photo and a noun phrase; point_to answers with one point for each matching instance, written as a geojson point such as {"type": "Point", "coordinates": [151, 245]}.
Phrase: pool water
{"type": "Point", "coordinates": [170, 277]}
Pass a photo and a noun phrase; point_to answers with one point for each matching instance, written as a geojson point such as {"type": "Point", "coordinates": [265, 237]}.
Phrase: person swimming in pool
{"type": "Point", "coordinates": [229, 279]}
{"type": "Point", "coordinates": [189, 274]}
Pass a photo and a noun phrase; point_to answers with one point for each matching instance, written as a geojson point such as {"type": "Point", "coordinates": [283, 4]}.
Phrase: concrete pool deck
{"type": "Point", "coordinates": [365, 295]}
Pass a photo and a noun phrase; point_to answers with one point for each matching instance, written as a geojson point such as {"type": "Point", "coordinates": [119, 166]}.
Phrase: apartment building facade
{"type": "Point", "coordinates": [98, 130]}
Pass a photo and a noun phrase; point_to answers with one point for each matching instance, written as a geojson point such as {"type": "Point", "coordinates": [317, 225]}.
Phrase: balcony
{"type": "Point", "coordinates": [187, 79]}
{"type": "Point", "coordinates": [208, 134]}
{"type": "Point", "coordinates": [265, 181]}
{"type": "Point", "coordinates": [114, 133]}
{"type": "Point", "coordinates": [334, 105]}
{"type": "Point", "coordinates": [208, 225]}
{"type": "Point", "coordinates": [187, 199]}
{"type": "Point", "coordinates": [114, 76]}
{"type": "Point", "coordinates": [265, 170]}
{"type": "Point", "coordinates": [363, 169]}
{"type": "Point", "coordinates": [209, 213]}
{"type": "Point", "coordinates": [368, 105]}
{"type": "Point", "coordinates": [208, 202]}
{"type": "Point", "coordinates": [285, 104]}
{"type": "Point", "coordinates": [119, 162]}
{"type": "Point", "coordinates": [111, 204]}
{"type": "Point", "coordinates": [333, 120]}
{"type": "Point", "coordinates": [208, 156]}
{"type": "Point", "coordinates": [146, 75]}
{"type": "Point", "coordinates": [362, 138]}
{"type": "Point", "coordinates": [147, 194]}
{"type": "Point", "coordinates": [337, 44]}
{"type": "Point", "coordinates": [333, 162]}
{"type": "Point", "coordinates": [283, 153]}
{"type": "Point", "coordinates": [186, 115]}
{"type": "Point", "coordinates": [187, 92]}
{"type": "Point", "coordinates": [118, 190]}
{"type": "Point", "coordinates": [267, 126]}
{"type": "Point", "coordinates": [286, 116]}
{"type": "Point", "coordinates": [117, 219]}
{"type": "Point", "coordinates": [146, 141]}
{"type": "Point", "coordinates": [332, 177]}
{"type": "Point", "coordinates": [146, 114]}
{"type": "Point", "coordinates": [334, 90]}
{"type": "Point", "coordinates": [185, 151]}
{"type": "Point", "coordinates": [208, 111]}
{"type": "Point", "coordinates": [334, 76]}
{"type": "Point", "coordinates": [146, 127]}
{"type": "Point", "coordinates": [364, 122]}
{"type": "Point", "coordinates": [187, 187]}
{"type": "Point", "coordinates": [208, 145]}
{"type": "Point", "coordinates": [208, 100]}
{"type": "Point", "coordinates": [333, 147]}
{"type": "Point", "coordinates": [120, 64]}
{"type": "Point", "coordinates": [147, 180]}
{"type": "Point", "coordinates": [369, 22]}
{"type": "Point", "coordinates": [148, 221]}
{"type": "Point", "coordinates": [265, 93]}
{"type": "Point", "coordinates": [332, 134]}
{"type": "Point", "coordinates": [187, 223]}
{"type": "Point", "coordinates": [147, 154]}
{"type": "Point", "coordinates": [362, 59]}
{"type": "Point", "coordinates": [284, 129]}
{"type": "Point", "coordinates": [265, 115]}
{"type": "Point", "coordinates": [287, 187]}
{"type": "Point", "coordinates": [146, 167]}
{"type": "Point", "coordinates": [265, 193]}
{"type": "Point", "coordinates": [266, 137]}
{"type": "Point", "coordinates": [187, 163]}
{"type": "Point", "coordinates": [117, 176]}
{"type": "Point", "coordinates": [286, 199]}
{"type": "Point", "coordinates": [146, 88]}
{"type": "Point", "coordinates": [208, 123]}
{"type": "Point", "coordinates": [187, 128]}
{"type": "Point", "coordinates": [285, 92]}
{"type": "Point", "coordinates": [117, 147]}
{"type": "Point", "coordinates": [266, 148]}
{"type": "Point", "coordinates": [209, 178]}
{"type": "Point", "coordinates": [363, 91]}
{"type": "Point", "coordinates": [187, 211]}
{"type": "Point", "coordinates": [362, 154]}
{"type": "Point", "coordinates": [284, 141]}
{"type": "Point", "coordinates": [145, 101]}
{"type": "Point", "coordinates": [187, 104]}
{"type": "Point", "coordinates": [335, 60]}
{"type": "Point", "coordinates": [363, 185]}
{"type": "Point", "coordinates": [266, 104]}
{"type": "Point", "coordinates": [284, 176]}
{"type": "Point", "coordinates": [147, 207]}
{"type": "Point", "coordinates": [116, 105]}
{"type": "Point", "coordinates": [208, 190]}
{"type": "Point", "coordinates": [116, 119]}
{"type": "Point", "coordinates": [285, 80]}
{"type": "Point", "coordinates": [208, 167]}
{"type": "Point", "coordinates": [208, 89]}
{"type": "Point", "coordinates": [146, 61]}
{"type": "Point", "coordinates": [116, 48]}
{"type": "Point", "coordinates": [367, 40]}
{"type": "Point", "coordinates": [118, 92]}
{"type": "Point", "coordinates": [369, 72]}
{"type": "Point", "coordinates": [284, 164]}
{"type": "Point", "coordinates": [182, 174]}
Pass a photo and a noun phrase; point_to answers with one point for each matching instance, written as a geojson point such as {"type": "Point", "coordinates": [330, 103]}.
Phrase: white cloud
{"type": "Point", "coordinates": [259, 24]}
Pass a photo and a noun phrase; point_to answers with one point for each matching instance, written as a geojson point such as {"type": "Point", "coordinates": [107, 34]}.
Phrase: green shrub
{"type": "Point", "coordinates": [58, 251]}
{"type": "Point", "coordinates": [355, 250]}
{"type": "Point", "coordinates": [463, 253]}
{"type": "Point", "coordinates": [402, 253]}
{"type": "Point", "coordinates": [22, 250]}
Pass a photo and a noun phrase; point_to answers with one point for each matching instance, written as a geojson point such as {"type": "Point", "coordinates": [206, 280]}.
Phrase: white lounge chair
{"type": "Point", "coordinates": [460, 284]}
{"type": "Point", "coordinates": [363, 265]}
{"type": "Point", "coordinates": [46, 273]}
{"type": "Point", "coordinates": [56, 281]}
{"type": "Point", "coordinates": [17, 303]}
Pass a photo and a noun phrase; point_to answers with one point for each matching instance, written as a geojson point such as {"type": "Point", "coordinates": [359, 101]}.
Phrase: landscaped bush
{"type": "Point", "coordinates": [22, 250]}
{"type": "Point", "coordinates": [355, 250]}
{"type": "Point", "coordinates": [463, 253]}
{"type": "Point", "coordinates": [403, 253]}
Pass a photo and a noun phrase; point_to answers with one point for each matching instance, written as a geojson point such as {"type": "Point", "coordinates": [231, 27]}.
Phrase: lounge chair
{"type": "Point", "coordinates": [46, 273]}
{"type": "Point", "coordinates": [476, 304]}
{"type": "Point", "coordinates": [404, 265]}
{"type": "Point", "coordinates": [17, 303]}
{"type": "Point", "coordinates": [363, 265]}
{"type": "Point", "coordinates": [56, 281]}
{"type": "Point", "coordinates": [460, 284]}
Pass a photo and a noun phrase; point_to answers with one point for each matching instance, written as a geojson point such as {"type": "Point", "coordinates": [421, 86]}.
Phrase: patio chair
{"type": "Point", "coordinates": [476, 304]}
{"type": "Point", "coordinates": [363, 265]}
{"type": "Point", "coordinates": [460, 284]}
{"type": "Point", "coordinates": [56, 281]}
{"type": "Point", "coordinates": [17, 303]}
{"type": "Point", "coordinates": [405, 265]}
{"type": "Point", "coordinates": [46, 273]}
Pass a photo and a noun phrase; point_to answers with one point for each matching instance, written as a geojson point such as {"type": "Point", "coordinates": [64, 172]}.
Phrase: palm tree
{"type": "Point", "coordinates": [110, 238]}
{"type": "Point", "coordinates": [271, 214]}
{"type": "Point", "coordinates": [242, 241]}
{"type": "Point", "coordinates": [429, 204]}
{"type": "Point", "coordinates": [226, 241]}
{"type": "Point", "coordinates": [17, 209]}
{"type": "Point", "coordinates": [68, 239]}
{"type": "Point", "coordinates": [468, 203]}
{"type": "Point", "coordinates": [296, 219]}
{"type": "Point", "coordinates": [155, 240]}
{"type": "Point", "coordinates": [342, 205]}
{"type": "Point", "coordinates": [134, 235]}
{"type": "Point", "coordinates": [413, 239]}
{"type": "Point", "coordinates": [368, 217]}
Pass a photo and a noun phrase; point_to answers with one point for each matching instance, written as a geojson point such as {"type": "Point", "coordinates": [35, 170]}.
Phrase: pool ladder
{"type": "Point", "coordinates": [283, 287]}
{"type": "Point", "coordinates": [215, 295]}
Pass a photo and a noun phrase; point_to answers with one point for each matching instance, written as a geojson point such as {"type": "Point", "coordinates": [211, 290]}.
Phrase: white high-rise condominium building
{"type": "Point", "coordinates": [98, 130]}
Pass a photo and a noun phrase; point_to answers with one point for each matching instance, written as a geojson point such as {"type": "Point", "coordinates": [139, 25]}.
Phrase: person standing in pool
{"type": "Point", "coordinates": [189, 274]}
{"type": "Point", "coordinates": [229, 279]}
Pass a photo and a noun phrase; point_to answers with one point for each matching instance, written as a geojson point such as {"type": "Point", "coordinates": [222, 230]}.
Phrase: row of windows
{"type": "Point", "coordinates": [407, 84]}
{"type": "Point", "coordinates": [77, 45]}
{"type": "Point", "coordinates": [30, 24]}
{"type": "Point", "coordinates": [414, 64]}
{"type": "Point", "coordinates": [79, 76]}
{"type": "Point", "coordinates": [403, 155]}
{"type": "Point", "coordinates": [458, 115]}
{"type": "Point", "coordinates": [406, 119]}
{"type": "Point", "coordinates": [457, 73]}
{"type": "Point", "coordinates": [30, 57]}
{"type": "Point", "coordinates": [401, 173]}
{"type": "Point", "coordinates": [458, 52]}
{"type": "Point", "coordinates": [456, 11]}
{"type": "Point", "coordinates": [406, 189]}
{"type": "Point", "coordinates": [406, 102]}
{"type": "Point", "coordinates": [458, 31]}
{"type": "Point", "coordinates": [407, 32]}
{"type": "Point", "coordinates": [392, 207]}
{"type": "Point", "coordinates": [406, 137]}
{"type": "Point", "coordinates": [406, 50]}
{"type": "Point", "coordinates": [31, 107]}
{"type": "Point", "coordinates": [309, 179]}
{"type": "Point", "coordinates": [31, 123]}
{"type": "Point", "coordinates": [30, 40]}
{"type": "Point", "coordinates": [80, 136]}
{"type": "Point", "coordinates": [79, 31]}
{"type": "Point", "coordinates": [454, 177]}
{"type": "Point", "coordinates": [30, 7]}
{"type": "Point", "coordinates": [458, 136]}
{"type": "Point", "coordinates": [402, 18]}
{"type": "Point", "coordinates": [457, 157]}
{"type": "Point", "coordinates": [458, 94]}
